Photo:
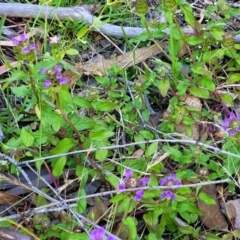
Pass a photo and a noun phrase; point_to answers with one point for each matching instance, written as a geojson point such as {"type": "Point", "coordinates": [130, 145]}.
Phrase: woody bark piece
{"type": "Point", "coordinates": [212, 216]}
{"type": "Point", "coordinates": [123, 61]}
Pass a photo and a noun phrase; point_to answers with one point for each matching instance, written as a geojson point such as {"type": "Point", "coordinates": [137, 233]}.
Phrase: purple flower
{"type": "Point", "coordinates": [97, 234]}
{"type": "Point", "coordinates": [139, 194]}
{"type": "Point", "coordinates": [227, 121]}
{"type": "Point", "coordinates": [232, 116]}
{"type": "Point", "coordinates": [121, 186]}
{"type": "Point", "coordinates": [32, 46]}
{"type": "Point", "coordinates": [168, 194]}
{"type": "Point", "coordinates": [58, 68]}
{"type": "Point", "coordinates": [47, 83]}
{"type": "Point", "coordinates": [63, 80]}
{"type": "Point", "coordinates": [111, 238]}
{"type": "Point", "coordinates": [128, 174]}
{"type": "Point", "coordinates": [43, 70]}
{"type": "Point", "coordinates": [238, 129]}
{"type": "Point", "coordinates": [15, 41]}
{"type": "Point", "coordinates": [22, 37]}
{"type": "Point", "coordinates": [58, 75]}
{"type": "Point", "coordinates": [25, 50]}
{"type": "Point", "coordinates": [170, 181]}
{"type": "Point", "coordinates": [144, 181]}
{"type": "Point", "coordinates": [232, 133]}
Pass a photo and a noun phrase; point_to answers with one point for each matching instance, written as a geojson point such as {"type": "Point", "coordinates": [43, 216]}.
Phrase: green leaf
{"type": "Point", "coordinates": [217, 33]}
{"type": "Point", "coordinates": [82, 102]}
{"type": "Point", "coordinates": [132, 226]}
{"type": "Point", "coordinates": [22, 91]}
{"type": "Point", "coordinates": [82, 31]}
{"type": "Point", "coordinates": [100, 135]}
{"type": "Point", "coordinates": [82, 122]}
{"type": "Point", "coordinates": [227, 99]}
{"type": "Point", "coordinates": [233, 78]}
{"type": "Point", "coordinates": [101, 155]}
{"type": "Point", "coordinates": [152, 236]}
{"type": "Point", "coordinates": [72, 52]}
{"type": "Point", "coordinates": [163, 86]}
{"type": "Point", "coordinates": [186, 229]}
{"type": "Point", "coordinates": [81, 204]}
{"type": "Point", "coordinates": [151, 149]}
{"type": "Point", "coordinates": [103, 105]}
{"type": "Point", "coordinates": [63, 146]}
{"type": "Point", "coordinates": [182, 88]}
{"type": "Point", "coordinates": [113, 180]}
{"type": "Point", "coordinates": [199, 92]}
{"type": "Point", "coordinates": [27, 138]}
{"type": "Point", "coordinates": [118, 197]}
{"type": "Point", "coordinates": [188, 121]}
{"type": "Point", "coordinates": [207, 83]}
{"type": "Point", "coordinates": [59, 166]}
{"type": "Point", "coordinates": [236, 233]}
{"type": "Point", "coordinates": [206, 198]}
{"type": "Point", "coordinates": [194, 40]}
{"type": "Point", "coordinates": [188, 14]}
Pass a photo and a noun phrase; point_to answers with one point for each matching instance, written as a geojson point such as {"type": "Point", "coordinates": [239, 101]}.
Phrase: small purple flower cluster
{"type": "Point", "coordinates": [132, 183]}
{"type": "Point", "coordinates": [20, 41]}
{"type": "Point", "coordinates": [169, 181]}
{"type": "Point", "coordinates": [232, 124]}
{"type": "Point", "coordinates": [55, 75]}
{"type": "Point", "coordinates": [99, 234]}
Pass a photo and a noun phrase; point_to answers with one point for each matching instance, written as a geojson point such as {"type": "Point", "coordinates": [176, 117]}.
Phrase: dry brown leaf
{"type": "Point", "coordinates": [6, 198]}
{"type": "Point", "coordinates": [192, 101]}
{"type": "Point", "coordinates": [138, 153]}
{"type": "Point", "coordinates": [212, 216]}
{"type": "Point", "coordinates": [232, 210]}
{"type": "Point", "coordinates": [123, 61]}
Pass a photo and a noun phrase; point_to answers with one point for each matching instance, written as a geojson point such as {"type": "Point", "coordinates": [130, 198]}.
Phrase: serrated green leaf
{"type": "Point", "coordinates": [207, 83]}
{"type": "Point", "coordinates": [199, 92]}
{"type": "Point", "coordinates": [206, 198]}
{"type": "Point", "coordinates": [100, 135]}
{"type": "Point", "coordinates": [63, 146]}
{"type": "Point", "coordinates": [188, 14]}
{"type": "Point", "coordinates": [227, 99]}
{"type": "Point", "coordinates": [21, 91]}
{"type": "Point", "coordinates": [101, 155]}
{"type": "Point", "coordinates": [233, 78]}
{"type": "Point", "coordinates": [27, 138]}
{"type": "Point", "coordinates": [163, 86]}
{"type": "Point", "coordinates": [217, 33]}
{"type": "Point", "coordinates": [59, 166]}
{"type": "Point", "coordinates": [103, 105]}
{"type": "Point", "coordinates": [82, 102]}
{"type": "Point", "coordinates": [194, 40]}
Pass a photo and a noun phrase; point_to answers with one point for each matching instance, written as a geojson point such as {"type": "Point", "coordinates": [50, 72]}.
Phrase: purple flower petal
{"type": "Point", "coordinates": [238, 117]}
{"type": "Point", "coordinates": [144, 181]}
{"type": "Point", "coordinates": [58, 68]}
{"type": "Point", "coordinates": [139, 194]}
{"type": "Point", "coordinates": [227, 121]}
{"type": "Point", "coordinates": [43, 70]}
{"type": "Point", "coordinates": [110, 238]}
{"type": "Point", "coordinates": [25, 50]}
{"type": "Point", "coordinates": [47, 83]}
{"type": "Point", "coordinates": [58, 75]}
{"type": "Point", "coordinates": [168, 194]}
{"type": "Point", "coordinates": [232, 116]}
{"type": "Point", "coordinates": [238, 129]}
{"type": "Point", "coordinates": [97, 234]}
{"type": "Point", "coordinates": [63, 81]}
{"type": "Point", "coordinates": [22, 37]}
{"type": "Point", "coordinates": [32, 46]}
{"type": "Point", "coordinates": [121, 186]}
{"type": "Point", "coordinates": [225, 127]}
{"type": "Point", "coordinates": [128, 174]}
{"type": "Point", "coordinates": [232, 133]}
{"type": "Point", "coordinates": [170, 181]}
{"type": "Point", "coordinates": [15, 41]}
